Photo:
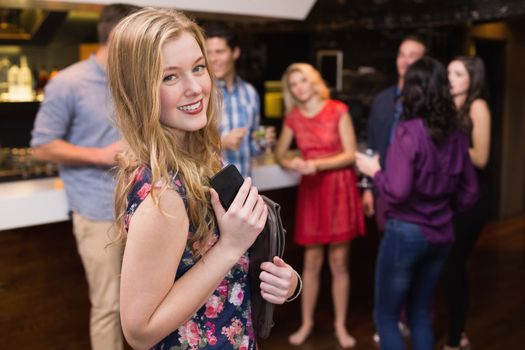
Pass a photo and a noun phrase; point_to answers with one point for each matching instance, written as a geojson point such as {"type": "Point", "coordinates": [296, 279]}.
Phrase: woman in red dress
{"type": "Point", "coordinates": [328, 207]}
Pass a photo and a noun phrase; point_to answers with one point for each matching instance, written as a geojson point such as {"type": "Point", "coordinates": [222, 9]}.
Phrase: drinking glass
{"type": "Point", "coordinates": [365, 182]}
{"type": "Point", "coordinates": [260, 138]}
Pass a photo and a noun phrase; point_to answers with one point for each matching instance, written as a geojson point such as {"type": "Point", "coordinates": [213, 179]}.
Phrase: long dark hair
{"type": "Point", "coordinates": [426, 95]}
{"type": "Point", "coordinates": [476, 72]}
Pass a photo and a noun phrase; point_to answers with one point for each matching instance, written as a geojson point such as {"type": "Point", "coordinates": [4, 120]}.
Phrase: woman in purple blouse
{"type": "Point", "coordinates": [428, 177]}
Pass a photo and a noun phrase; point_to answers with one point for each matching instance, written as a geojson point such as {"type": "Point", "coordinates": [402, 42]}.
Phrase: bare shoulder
{"type": "Point", "coordinates": [161, 220]}
{"type": "Point", "coordinates": [479, 108]}
{"type": "Point", "coordinates": [345, 120]}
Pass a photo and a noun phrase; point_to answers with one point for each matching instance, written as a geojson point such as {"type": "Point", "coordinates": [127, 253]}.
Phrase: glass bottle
{"type": "Point", "coordinates": [4, 82]}
{"type": "Point", "coordinates": [25, 80]}
{"type": "Point", "coordinates": [12, 83]}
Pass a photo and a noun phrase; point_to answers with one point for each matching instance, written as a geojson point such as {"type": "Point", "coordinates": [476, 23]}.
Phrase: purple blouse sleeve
{"type": "Point", "coordinates": [395, 183]}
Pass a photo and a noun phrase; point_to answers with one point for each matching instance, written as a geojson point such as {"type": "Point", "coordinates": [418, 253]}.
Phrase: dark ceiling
{"type": "Point", "coordinates": [376, 14]}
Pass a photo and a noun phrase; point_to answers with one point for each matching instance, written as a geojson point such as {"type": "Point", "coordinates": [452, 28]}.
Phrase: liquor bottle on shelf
{"type": "Point", "coordinates": [4, 82]}
{"type": "Point", "coordinates": [20, 82]}
{"type": "Point", "coordinates": [12, 82]}
{"type": "Point", "coordinates": [25, 80]}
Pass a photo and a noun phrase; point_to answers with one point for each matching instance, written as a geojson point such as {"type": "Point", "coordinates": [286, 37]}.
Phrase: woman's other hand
{"type": "Point", "coordinates": [297, 164]}
{"type": "Point", "coordinates": [309, 168]}
{"type": "Point", "coordinates": [303, 167]}
{"type": "Point", "coordinates": [367, 165]}
{"type": "Point", "coordinates": [278, 281]}
{"type": "Point", "coordinates": [367, 201]}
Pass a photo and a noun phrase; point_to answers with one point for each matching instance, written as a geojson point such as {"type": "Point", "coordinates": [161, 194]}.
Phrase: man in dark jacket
{"type": "Point", "coordinates": [386, 109]}
{"type": "Point", "coordinates": [384, 114]}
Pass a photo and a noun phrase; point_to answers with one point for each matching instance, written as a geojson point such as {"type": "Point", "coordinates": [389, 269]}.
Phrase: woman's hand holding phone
{"type": "Point", "coordinates": [240, 225]}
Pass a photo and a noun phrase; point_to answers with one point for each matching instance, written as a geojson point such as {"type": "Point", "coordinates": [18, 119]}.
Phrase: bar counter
{"type": "Point", "coordinates": [42, 201]}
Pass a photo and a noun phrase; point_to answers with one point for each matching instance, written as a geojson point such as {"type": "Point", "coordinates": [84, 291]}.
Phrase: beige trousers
{"type": "Point", "coordinates": [102, 266]}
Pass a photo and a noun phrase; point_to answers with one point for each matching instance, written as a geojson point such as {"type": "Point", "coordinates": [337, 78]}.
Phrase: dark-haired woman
{"type": "Point", "coordinates": [467, 77]}
{"type": "Point", "coordinates": [428, 176]}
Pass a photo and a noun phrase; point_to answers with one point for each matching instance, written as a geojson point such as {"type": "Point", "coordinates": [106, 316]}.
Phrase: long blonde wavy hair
{"type": "Point", "coordinates": [311, 74]}
{"type": "Point", "coordinates": [135, 71]}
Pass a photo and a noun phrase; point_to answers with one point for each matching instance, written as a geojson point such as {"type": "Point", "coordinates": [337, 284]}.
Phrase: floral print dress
{"type": "Point", "coordinates": [225, 320]}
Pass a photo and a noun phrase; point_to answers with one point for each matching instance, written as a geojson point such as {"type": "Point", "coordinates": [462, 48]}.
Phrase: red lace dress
{"type": "Point", "coordinates": [328, 203]}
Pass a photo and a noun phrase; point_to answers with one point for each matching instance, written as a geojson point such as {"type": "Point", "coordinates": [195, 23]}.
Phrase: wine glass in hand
{"type": "Point", "coordinates": [265, 138]}
{"type": "Point", "coordinates": [366, 182]}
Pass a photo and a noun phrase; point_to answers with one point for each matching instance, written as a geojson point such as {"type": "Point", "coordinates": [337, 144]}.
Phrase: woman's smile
{"type": "Point", "coordinates": [193, 108]}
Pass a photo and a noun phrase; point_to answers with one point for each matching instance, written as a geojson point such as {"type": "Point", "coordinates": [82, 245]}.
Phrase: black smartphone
{"type": "Point", "coordinates": [227, 183]}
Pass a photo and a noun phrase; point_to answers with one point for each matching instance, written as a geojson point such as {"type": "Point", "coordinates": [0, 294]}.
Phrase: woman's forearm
{"type": "Point", "coordinates": [338, 161]}
{"type": "Point", "coordinates": [184, 298]}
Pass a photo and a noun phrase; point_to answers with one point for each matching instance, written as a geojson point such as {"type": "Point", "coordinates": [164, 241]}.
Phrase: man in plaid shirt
{"type": "Point", "coordinates": [241, 105]}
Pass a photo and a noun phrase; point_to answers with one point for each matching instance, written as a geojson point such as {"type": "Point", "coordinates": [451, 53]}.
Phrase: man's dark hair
{"type": "Point", "coordinates": [416, 38]}
{"type": "Point", "coordinates": [223, 31]}
{"type": "Point", "coordinates": [109, 18]}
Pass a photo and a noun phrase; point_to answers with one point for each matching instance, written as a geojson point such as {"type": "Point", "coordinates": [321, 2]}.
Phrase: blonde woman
{"type": "Point", "coordinates": [183, 285]}
{"type": "Point", "coordinates": [328, 205]}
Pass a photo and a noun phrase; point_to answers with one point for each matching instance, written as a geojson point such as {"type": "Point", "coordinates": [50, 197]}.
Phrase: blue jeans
{"type": "Point", "coordinates": [407, 270]}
